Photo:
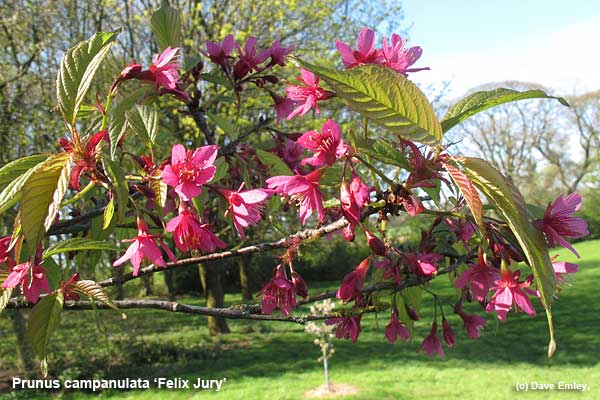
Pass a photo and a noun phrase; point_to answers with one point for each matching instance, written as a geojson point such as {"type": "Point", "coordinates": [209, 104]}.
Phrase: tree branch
{"type": "Point", "coordinates": [257, 248]}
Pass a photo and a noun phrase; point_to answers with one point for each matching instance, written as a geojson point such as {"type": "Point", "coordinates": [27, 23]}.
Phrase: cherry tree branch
{"type": "Point", "coordinates": [256, 248]}
{"type": "Point", "coordinates": [253, 311]}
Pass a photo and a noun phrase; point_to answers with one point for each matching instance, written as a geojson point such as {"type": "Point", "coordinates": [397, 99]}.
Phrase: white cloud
{"type": "Point", "coordinates": [567, 60]}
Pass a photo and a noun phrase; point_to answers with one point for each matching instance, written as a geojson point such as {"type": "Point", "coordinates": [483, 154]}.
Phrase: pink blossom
{"type": "Point", "coordinates": [299, 285]}
{"type": "Point", "coordinates": [190, 234]}
{"type": "Point", "coordinates": [20, 276]}
{"type": "Point", "coordinates": [412, 204]}
{"type": "Point", "coordinates": [245, 206]}
{"type": "Point", "coordinates": [346, 327]}
{"type": "Point", "coordinates": [425, 169]}
{"type": "Point", "coordinates": [480, 277]}
{"type": "Point", "coordinates": [432, 344]}
{"type": "Point", "coordinates": [449, 336]}
{"type": "Point", "coordinates": [375, 244]}
{"type": "Point", "coordinates": [509, 290]}
{"type": "Point", "coordinates": [5, 256]}
{"type": "Point", "coordinates": [354, 198]}
{"type": "Point", "coordinates": [395, 329]}
{"type": "Point", "coordinates": [283, 106]}
{"type": "Point", "coordinates": [249, 58]}
{"type": "Point", "coordinates": [165, 68]}
{"type": "Point", "coordinates": [189, 170]}
{"type": "Point", "coordinates": [308, 93]}
{"type": "Point", "coordinates": [558, 222]}
{"type": "Point", "coordinates": [352, 284]}
{"type": "Point", "coordinates": [472, 323]}
{"type": "Point", "coordinates": [365, 52]}
{"type": "Point", "coordinates": [277, 54]}
{"type": "Point", "coordinates": [396, 57]}
{"type": "Point", "coordinates": [289, 151]}
{"type": "Point", "coordinates": [463, 229]}
{"type": "Point", "coordinates": [326, 145]}
{"type": "Point", "coordinates": [424, 264]}
{"type": "Point", "coordinates": [390, 270]}
{"type": "Point", "coordinates": [144, 245]}
{"type": "Point", "coordinates": [304, 189]}
{"type": "Point", "coordinates": [279, 293]}
{"type": "Point", "coordinates": [562, 268]}
{"type": "Point", "coordinates": [220, 53]}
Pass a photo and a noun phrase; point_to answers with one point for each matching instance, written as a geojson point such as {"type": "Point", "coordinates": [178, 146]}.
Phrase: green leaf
{"type": "Point", "coordinates": [410, 296]}
{"type": "Point", "coordinates": [276, 165]}
{"type": "Point", "coordinates": [480, 101]}
{"type": "Point", "coordinates": [333, 175]}
{"type": "Point", "coordinates": [222, 169]}
{"type": "Point", "coordinates": [43, 321]}
{"type": "Point", "coordinates": [387, 153]}
{"type": "Point", "coordinates": [109, 212]}
{"type": "Point", "coordinates": [143, 120]}
{"type": "Point", "coordinates": [12, 192]}
{"type": "Point", "coordinates": [54, 272]}
{"type": "Point", "coordinates": [165, 24]}
{"type": "Point", "coordinates": [216, 78]}
{"type": "Point", "coordinates": [510, 204]}
{"type": "Point", "coordinates": [77, 70]}
{"type": "Point", "coordinates": [385, 97]}
{"type": "Point", "coordinates": [94, 291]}
{"type": "Point", "coordinates": [16, 168]}
{"type": "Point", "coordinates": [41, 197]}
{"type": "Point", "coordinates": [121, 188]}
{"type": "Point", "coordinates": [117, 120]}
{"type": "Point", "coordinates": [77, 244]}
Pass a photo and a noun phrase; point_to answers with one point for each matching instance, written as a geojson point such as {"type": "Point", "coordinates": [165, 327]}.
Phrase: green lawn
{"type": "Point", "coordinates": [278, 361]}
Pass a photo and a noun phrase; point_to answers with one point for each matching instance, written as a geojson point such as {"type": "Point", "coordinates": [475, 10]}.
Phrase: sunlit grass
{"type": "Point", "coordinates": [279, 361]}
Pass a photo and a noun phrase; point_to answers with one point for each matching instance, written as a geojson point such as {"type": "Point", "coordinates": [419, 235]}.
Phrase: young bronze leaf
{"type": "Point", "coordinates": [94, 291]}
{"type": "Point", "coordinates": [469, 192]}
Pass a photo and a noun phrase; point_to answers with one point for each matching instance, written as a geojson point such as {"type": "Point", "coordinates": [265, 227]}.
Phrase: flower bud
{"type": "Point", "coordinates": [348, 233]}
{"type": "Point", "coordinates": [412, 313]}
{"type": "Point", "coordinates": [448, 333]}
{"type": "Point", "coordinates": [377, 246]}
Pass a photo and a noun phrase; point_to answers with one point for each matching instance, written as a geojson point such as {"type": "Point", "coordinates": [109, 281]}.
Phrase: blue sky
{"type": "Point", "coordinates": [555, 43]}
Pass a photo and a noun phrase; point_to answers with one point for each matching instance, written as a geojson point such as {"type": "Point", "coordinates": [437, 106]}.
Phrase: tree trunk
{"type": "Point", "coordinates": [24, 349]}
{"type": "Point", "coordinates": [116, 272]}
{"type": "Point", "coordinates": [147, 282]}
{"type": "Point", "coordinates": [212, 278]}
{"type": "Point", "coordinates": [170, 284]}
{"type": "Point", "coordinates": [245, 276]}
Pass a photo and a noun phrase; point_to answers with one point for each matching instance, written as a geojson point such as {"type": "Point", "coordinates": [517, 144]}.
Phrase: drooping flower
{"type": "Point", "coordinates": [508, 291]}
{"type": "Point", "coordinates": [558, 222]}
{"type": "Point", "coordinates": [365, 52]}
{"type": "Point", "coordinates": [277, 54]}
{"type": "Point", "coordinates": [245, 206]}
{"type": "Point", "coordinates": [220, 53]}
{"type": "Point", "coordinates": [303, 189]}
{"type": "Point", "coordinates": [189, 170]}
{"type": "Point", "coordinates": [449, 336]}
{"type": "Point", "coordinates": [144, 245]}
{"type": "Point", "coordinates": [353, 198]}
{"type": "Point", "coordinates": [190, 234]}
{"type": "Point", "coordinates": [463, 229]}
{"type": "Point", "coordinates": [398, 58]}
{"type": "Point", "coordinates": [307, 93]}
{"type": "Point", "coordinates": [425, 169]}
{"type": "Point", "coordinates": [327, 145]}
{"type": "Point", "coordinates": [346, 327]}
{"type": "Point", "coordinates": [20, 275]}
{"type": "Point", "coordinates": [376, 245]}
{"type": "Point", "coordinates": [395, 329]}
{"type": "Point", "coordinates": [279, 293]}
{"type": "Point", "coordinates": [432, 344]}
{"type": "Point", "coordinates": [563, 270]}
{"type": "Point", "coordinates": [480, 277]}
{"type": "Point", "coordinates": [249, 58]}
{"type": "Point", "coordinates": [283, 106]}
{"type": "Point", "coordinates": [423, 264]}
{"type": "Point", "coordinates": [472, 323]}
{"type": "Point", "coordinates": [5, 256]}
{"type": "Point", "coordinates": [391, 270]}
{"type": "Point", "coordinates": [299, 285]}
{"type": "Point", "coordinates": [352, 284]}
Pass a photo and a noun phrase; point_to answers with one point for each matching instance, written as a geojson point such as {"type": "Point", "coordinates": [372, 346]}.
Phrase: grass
{"type": "Point", "coordinates": [278, 361]}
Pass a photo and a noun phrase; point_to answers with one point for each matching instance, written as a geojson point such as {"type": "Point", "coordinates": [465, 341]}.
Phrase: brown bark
{"type": "Point", "coordinates": [24, 349]}
{"type": "Point", "coordinates": [245, 277]}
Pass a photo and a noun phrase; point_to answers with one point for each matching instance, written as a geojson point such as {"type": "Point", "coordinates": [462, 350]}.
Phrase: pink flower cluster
{"type": "Point", "coordinates": [392, 54]}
